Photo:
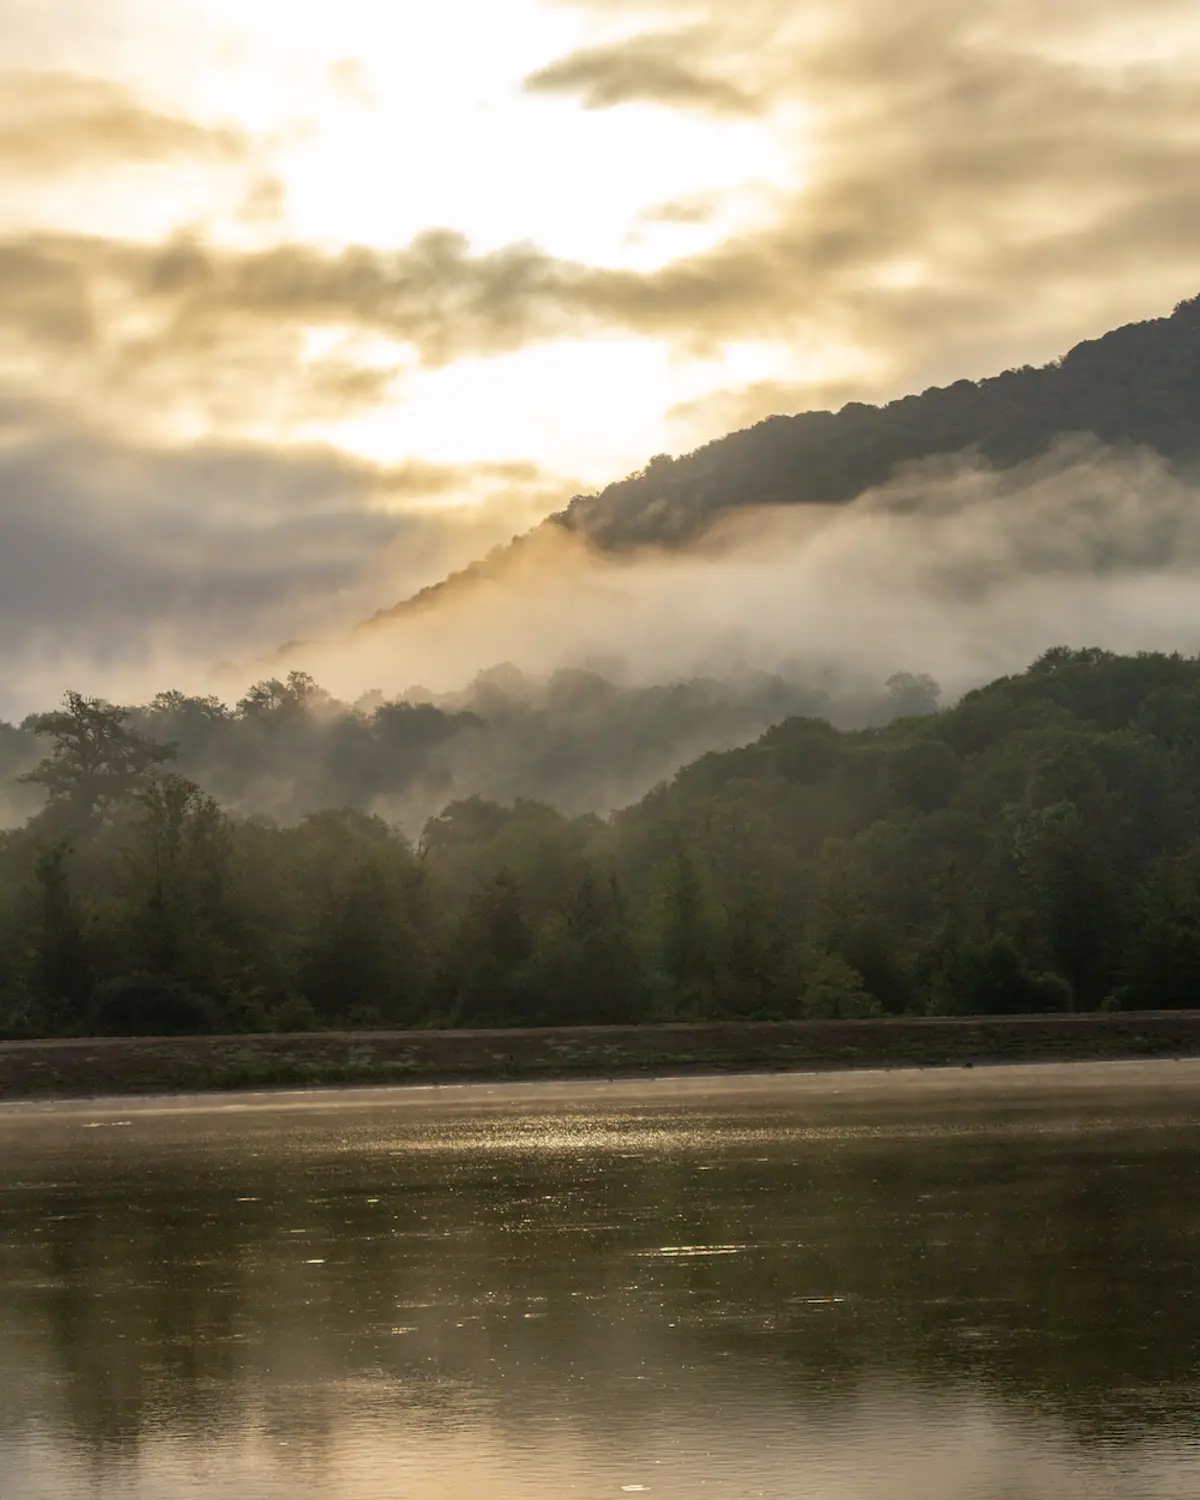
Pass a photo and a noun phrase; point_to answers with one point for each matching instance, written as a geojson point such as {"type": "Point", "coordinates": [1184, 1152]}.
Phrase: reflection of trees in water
{"type": "Point", "coordinates": [174, 1294]}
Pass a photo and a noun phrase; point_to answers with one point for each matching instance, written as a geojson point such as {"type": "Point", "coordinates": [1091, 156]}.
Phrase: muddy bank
{"type": "Point", "coordinates": [143, 1065]}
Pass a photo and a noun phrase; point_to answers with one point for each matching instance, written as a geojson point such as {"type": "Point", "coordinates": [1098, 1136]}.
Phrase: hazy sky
{"type": "Point", "coordinates": [304, 302]}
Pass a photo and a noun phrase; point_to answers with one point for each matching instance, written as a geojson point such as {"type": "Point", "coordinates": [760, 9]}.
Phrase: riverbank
{"type": "Point", "coordinates": [88, 1066]}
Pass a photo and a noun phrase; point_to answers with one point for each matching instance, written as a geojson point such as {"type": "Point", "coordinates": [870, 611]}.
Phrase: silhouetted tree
{"type": "Point", "coordinates": [97, 762]}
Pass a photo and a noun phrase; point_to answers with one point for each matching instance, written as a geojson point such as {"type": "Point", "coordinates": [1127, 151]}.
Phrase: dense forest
{"type": "Point", "coordinates": [1034, 847]}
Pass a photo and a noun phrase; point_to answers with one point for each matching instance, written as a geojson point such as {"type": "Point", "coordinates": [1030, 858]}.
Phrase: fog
{"type": "Point", "coordinates": [582, 678]}
{"type": "Point", "coordinates": [952, 569]}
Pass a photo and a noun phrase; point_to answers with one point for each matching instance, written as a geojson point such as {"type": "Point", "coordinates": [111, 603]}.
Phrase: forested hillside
{"type": "Point", "coordinates": [1037, 846]}
{"type": "Point", "coordinates": [1139, 385]}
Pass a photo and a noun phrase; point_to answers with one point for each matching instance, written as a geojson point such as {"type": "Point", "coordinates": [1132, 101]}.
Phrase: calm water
{"type": "Point", "coordinates": [900, 1286]}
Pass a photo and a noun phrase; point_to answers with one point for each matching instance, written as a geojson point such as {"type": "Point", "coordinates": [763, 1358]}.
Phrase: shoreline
{"type": "Point", "coordinates": [92, 1067]}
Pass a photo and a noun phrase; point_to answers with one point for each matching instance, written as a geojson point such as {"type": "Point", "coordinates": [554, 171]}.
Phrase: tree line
{"type": "Point", "coordinates": [1034, 847]}
{"type": "Point", "coordinates": [576, 739]}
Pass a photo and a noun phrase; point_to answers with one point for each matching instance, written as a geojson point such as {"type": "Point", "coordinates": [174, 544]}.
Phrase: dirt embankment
{"type": "Point", "coordinates": [143, 1065]}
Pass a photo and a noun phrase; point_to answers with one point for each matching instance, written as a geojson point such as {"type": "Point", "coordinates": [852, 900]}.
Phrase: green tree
{"type": "Point", "coordinates": [363, 961]}
{"type": "Point", "coordinates": [586, 968]}
{"type": "Point", "coordinates": [687, 932]}
{"type": "Point", "coordinates": [987, 977]}
{"type": "Point", "coordinates": [912, 695]}
{"type": "Point", "coordinates": [831, 990]}
{"type": "Point", "coordinates": [1162, 961]}
{"type": "Point", "coordinates": [178, 867]}
{"type": "Point", "coordinates": [924, 775]}
{"type": "Point", "coordinates": [62, 957]}
{"type": "Point", "coordinates": [97, 762]}
{"type": "Point", "coordinates": [1075, 899]}
{"type": "Point", "coordinates": [282, 701]}
{"type": "Point", "coordinates": [484, 968]}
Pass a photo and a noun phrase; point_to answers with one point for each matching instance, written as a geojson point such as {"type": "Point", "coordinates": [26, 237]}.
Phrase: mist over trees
{"type": "Point", "coordinates": [1036, 846]}
{"type": "Point", "coordinates": [575, 739]}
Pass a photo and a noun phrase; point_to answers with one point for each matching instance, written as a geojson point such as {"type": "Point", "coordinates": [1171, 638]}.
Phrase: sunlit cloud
{"type": "Point", "coordinates": [63, 122]}
{"type": "Point", "coordinates": [650, 68]}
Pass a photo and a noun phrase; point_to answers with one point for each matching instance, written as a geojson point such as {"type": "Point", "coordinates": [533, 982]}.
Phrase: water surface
{"type": "Point", "coordinates": [967, 1285]}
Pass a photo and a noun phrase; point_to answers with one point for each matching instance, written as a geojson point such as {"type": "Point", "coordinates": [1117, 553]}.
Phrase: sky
{"type": "Point", "coordinates": [305, 304]}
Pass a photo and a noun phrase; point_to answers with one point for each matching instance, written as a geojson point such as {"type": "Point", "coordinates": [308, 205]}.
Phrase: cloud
{"type": "Point", "coordinates": [53, 122]}
{"type": "Point", "coordinates": [699, 209]}
{"type": "Point", "coordinates": [952, 568]}
{"type": "Point", "coordinates": [147, 331]}
{"type": "Point", "coordinates": [970, 181]}
{"type": "Point", "coordinates": [974, 186]}
{"type": "Point", "coordinates": [264, 200]}
{"type": "Point", "coordinates": [351, 81]}
{"type": "Point", "coordinates": [124, 566]}
{"type": "Point", "coordinates": [652, 68]}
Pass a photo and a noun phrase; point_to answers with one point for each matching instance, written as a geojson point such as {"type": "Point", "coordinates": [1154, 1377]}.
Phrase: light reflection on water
{"type": "Point", "coordinates": [944, 1286]}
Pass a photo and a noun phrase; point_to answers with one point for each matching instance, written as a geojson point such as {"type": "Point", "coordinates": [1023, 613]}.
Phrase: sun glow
{"type": "Point", "coordinates": [368, 124]}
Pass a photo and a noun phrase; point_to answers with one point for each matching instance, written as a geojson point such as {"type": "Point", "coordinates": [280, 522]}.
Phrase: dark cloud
{"type": "Point", "coordinates": [152, 329]}
{"type": "Point", "coordinates": [118, 562]}
{"type": "Point", "coordinates": [63, 122]}
{"type": "Point", "coordinates": [976, 186]}
{"type": "Point", "coordinates": [652, 69]}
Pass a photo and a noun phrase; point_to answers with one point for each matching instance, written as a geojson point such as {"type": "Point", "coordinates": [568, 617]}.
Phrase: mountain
{"type": "Point", "coordinates": [1138, 386]}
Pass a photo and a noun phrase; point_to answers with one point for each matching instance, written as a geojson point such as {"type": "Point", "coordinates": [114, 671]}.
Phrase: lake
{"type": "Point", "coordinates": [950, 1285]}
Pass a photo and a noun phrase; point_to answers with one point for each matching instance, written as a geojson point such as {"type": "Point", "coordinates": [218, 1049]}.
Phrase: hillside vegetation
{"type": "Point", "coordinates": [1035, 847]}
{"type": "Point", "coordinates": [1135, 386]}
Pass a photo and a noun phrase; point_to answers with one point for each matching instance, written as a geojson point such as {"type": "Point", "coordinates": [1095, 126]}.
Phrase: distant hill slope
{"type": "Point", "coordinates": [1139, 385]}
{"type": "Point", "coordinates": [1136, 386]}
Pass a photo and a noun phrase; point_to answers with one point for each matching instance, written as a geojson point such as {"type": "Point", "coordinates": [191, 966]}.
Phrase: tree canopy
{"type": "Point", "coordinates": [98, 758]}
{"type": "Point", "coordinates": [1036, 846]}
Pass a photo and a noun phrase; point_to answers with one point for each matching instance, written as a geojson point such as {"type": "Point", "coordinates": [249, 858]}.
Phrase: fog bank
{"type": "Point", "coordinates": [952, 568]}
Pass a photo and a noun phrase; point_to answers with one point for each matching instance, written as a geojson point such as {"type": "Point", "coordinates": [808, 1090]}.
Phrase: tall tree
{"type": "Point", "coordinates": [179, 868]}
{"type": "Point", "coordinates": [97, 762]}
{"type": "Point", "coordinates": [62, 970]}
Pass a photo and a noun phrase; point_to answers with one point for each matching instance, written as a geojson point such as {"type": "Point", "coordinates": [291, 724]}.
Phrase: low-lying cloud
{"type": "Point", "coordinates": [952, 568]}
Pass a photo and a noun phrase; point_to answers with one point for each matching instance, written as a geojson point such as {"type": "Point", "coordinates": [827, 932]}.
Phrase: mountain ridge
{"type": "Point", "coordinates": [1136, 386]}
